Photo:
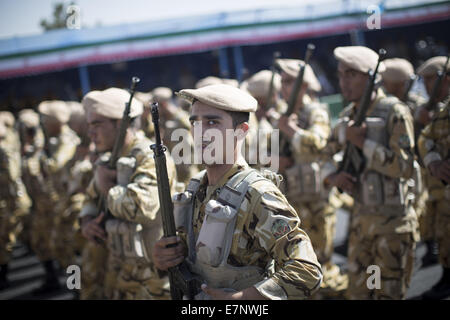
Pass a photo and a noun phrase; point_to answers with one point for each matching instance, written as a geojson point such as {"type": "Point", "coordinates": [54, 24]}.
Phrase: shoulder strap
{"type": "Point", "coordinates": [195, 181]}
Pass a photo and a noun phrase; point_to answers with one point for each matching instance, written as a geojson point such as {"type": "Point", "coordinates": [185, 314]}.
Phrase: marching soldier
{"type": "Point", "coordinates": [44, 173]}
{"type": "Point", "coordinates": [130, 193]}
{"type": "Point", "coordinates": [428, 71]}
{"type": "Point", "coordinates": [398, 78]}
{"type": "Point", "coordinates": [434, 146]}
{"type": "Point", "coordinates": [308, 129]}
{"type": "Point", "coordinates": [243, 239]}
{"type": "Point", "coordinates": [383, 227]}
{"type": "Point", "coordinates": [14, 201]}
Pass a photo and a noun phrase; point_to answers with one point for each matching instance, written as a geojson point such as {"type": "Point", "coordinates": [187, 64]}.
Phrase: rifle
{"type": "Point", "coordinates": [353, 160]}
{"type": "Point", "coordinates": [118, 145]}
{"type": "Point", "coordinates": [269, 98]}
{"type": "Point", "coordinates": [182, 281]}
{"type": "Point", "coordinates": [431, 103]}
{"type": "Point", "coordinates": [284, 142]}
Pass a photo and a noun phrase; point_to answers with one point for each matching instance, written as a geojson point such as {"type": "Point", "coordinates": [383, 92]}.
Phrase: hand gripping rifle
{"type": "Point", "coordinates": [284, 142]}
{"type": "Point", "coordinates": [118, 145]}
{"type": "Point", "coordinates": [353, 161]}
{"type": "Point", "coordinates": [182, 281]}
{"type": "Point", "coordinates": [431, 104]}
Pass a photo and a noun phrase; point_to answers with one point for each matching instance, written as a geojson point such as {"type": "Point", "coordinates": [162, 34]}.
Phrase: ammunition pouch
{"type": "Point", "coordinates": [129, 240]}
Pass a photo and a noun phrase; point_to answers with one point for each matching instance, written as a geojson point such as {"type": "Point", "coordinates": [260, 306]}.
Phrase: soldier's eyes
{"type": "Point", "coordinates": [212, 122]}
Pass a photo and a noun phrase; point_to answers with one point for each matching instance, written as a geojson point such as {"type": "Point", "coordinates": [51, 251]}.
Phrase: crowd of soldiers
{"type": "Point", "coordinates": [274, 238]}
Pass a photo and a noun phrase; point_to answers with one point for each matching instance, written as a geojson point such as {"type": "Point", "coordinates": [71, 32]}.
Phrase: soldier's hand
{"type": "Point", "coordinates": [356, 135]}
{"type": "Point", "coordinates": [440, 169]}
{"type": "Point", "coordinates": [342, 180]}
{"type": "Point", "coordinates": [166, 257]}
{"type": "Point", "coordinates": [91, 229]}
{"type": "Point", "coordinates": [105, 179]}
{"type": "Point", "coordinates": [288, 125]}
{"type": "Point", "coordinates": [220, 294]}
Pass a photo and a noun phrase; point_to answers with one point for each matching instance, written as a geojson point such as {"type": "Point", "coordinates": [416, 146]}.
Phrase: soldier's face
{"type": "Point", "coordinates": [211, 130]}
{"type": "Point", "coordinates": [352, 82]}
{"type": "Point", "coordinates": [102, 131]}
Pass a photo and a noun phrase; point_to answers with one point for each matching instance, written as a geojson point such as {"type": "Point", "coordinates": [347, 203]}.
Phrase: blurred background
{"type": "Point", "coordinates": [53, 49]}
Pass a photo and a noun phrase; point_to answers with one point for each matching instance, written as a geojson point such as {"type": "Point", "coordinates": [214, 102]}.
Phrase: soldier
{"type": "Point", "coordinates": [14, 201]}
{"type": "Point", "coordinates": [383, 225]}
{"type": "Point", "coordinates": [428, 71]}
{"type": "Point", "coordinates": [48, 189]}
{"type": "Point", "coordinates": [308, 129]}
{"type": "Point", "coordinates": [434, 146]}
{"type": "Point", "coordinates": [131, 198]}
{"type": "Point", "coordinates": [397, 80]}
{"type": "Point", "coordinates": [243, 238]}
{"type": "Point", "coordinates": [173, 118]}
{"type": "Point", "coordinates": [66, 236]}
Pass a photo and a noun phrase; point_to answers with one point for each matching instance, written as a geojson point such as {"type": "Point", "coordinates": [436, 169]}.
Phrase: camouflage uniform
{"type": "Point", "coordinates": [49, 190]}
{"type": "Point", "coordinates": [134, 206]}
{"type": "Point", "coordinates": [305, 191]}
{"type": "Point", "coordinates": [66, 237]}
{"type": "Point", "coordinates": [14, 200]}
{"type": "Point", "coordinates": [268, 249]}
{"type": "Point", "coordinates": [434, 144]}
{"type": "Point", "coordinates": [383, 227]}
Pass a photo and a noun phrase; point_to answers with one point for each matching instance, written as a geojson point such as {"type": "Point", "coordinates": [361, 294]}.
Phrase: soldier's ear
{"type": "Point", "coordinates": [243, 126]}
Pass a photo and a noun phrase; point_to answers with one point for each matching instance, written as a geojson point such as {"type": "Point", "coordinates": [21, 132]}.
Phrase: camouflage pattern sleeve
{"type": "Point", "coordinates": [275, 226]}
{"type": "Point", "coordinates": [432, 146]}
{"type": "Point", "coordinates": [138, 201]}
{"type": "Point", "coordinates": [396, 161]}
{"type": "Point", "coordinates": [316, 136]}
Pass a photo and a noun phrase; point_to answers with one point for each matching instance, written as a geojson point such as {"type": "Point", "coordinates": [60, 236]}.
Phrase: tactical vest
{"type": "Point", "coordinates": [375, 189]}
{"type": "Point", "coordinates": [208, 255]}
{"type": "Point", "coordinates": [126, 239]}
{"type": "Point", "coordinates": [304, 179]}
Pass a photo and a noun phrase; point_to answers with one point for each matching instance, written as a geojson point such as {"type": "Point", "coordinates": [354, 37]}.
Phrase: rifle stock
{"type": "Point", "coordinates": [182, 281]}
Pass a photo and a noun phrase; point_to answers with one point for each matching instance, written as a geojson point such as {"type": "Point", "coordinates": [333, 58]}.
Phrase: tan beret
{"type": "Point", "coordinates": [397, 70]}
{"type": "Point", "coordinates": [292, 68]}
{"type": "Point", "coordinates": [207, 82]}
{"type": "Point", "coordinates": [55, 108]}
{"type": "Point", "coordinates": [221, 96]}
{"type": "Point", "coordinates": [7, 118]}
{"type": "Point", "coordinates": [110, 103]}
{"type": "Point", "coordinates": [29, 118]}
{"type": "Point", "coordinates": [359, 58]}
{"type": "Point", "coordinates": [258, 84]}
{"type": "Point", "coordinates": [162, 94]}
{"type": "Point", "coordinates": [432, 65]}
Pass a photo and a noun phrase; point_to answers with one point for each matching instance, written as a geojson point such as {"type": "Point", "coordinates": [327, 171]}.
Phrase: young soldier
{"type": "Point", "coordinates": [383, 227]}
{"type": "Point", "coordinates": [243, 238]}
{"type": "Point", "coordinates": [131, 198]}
